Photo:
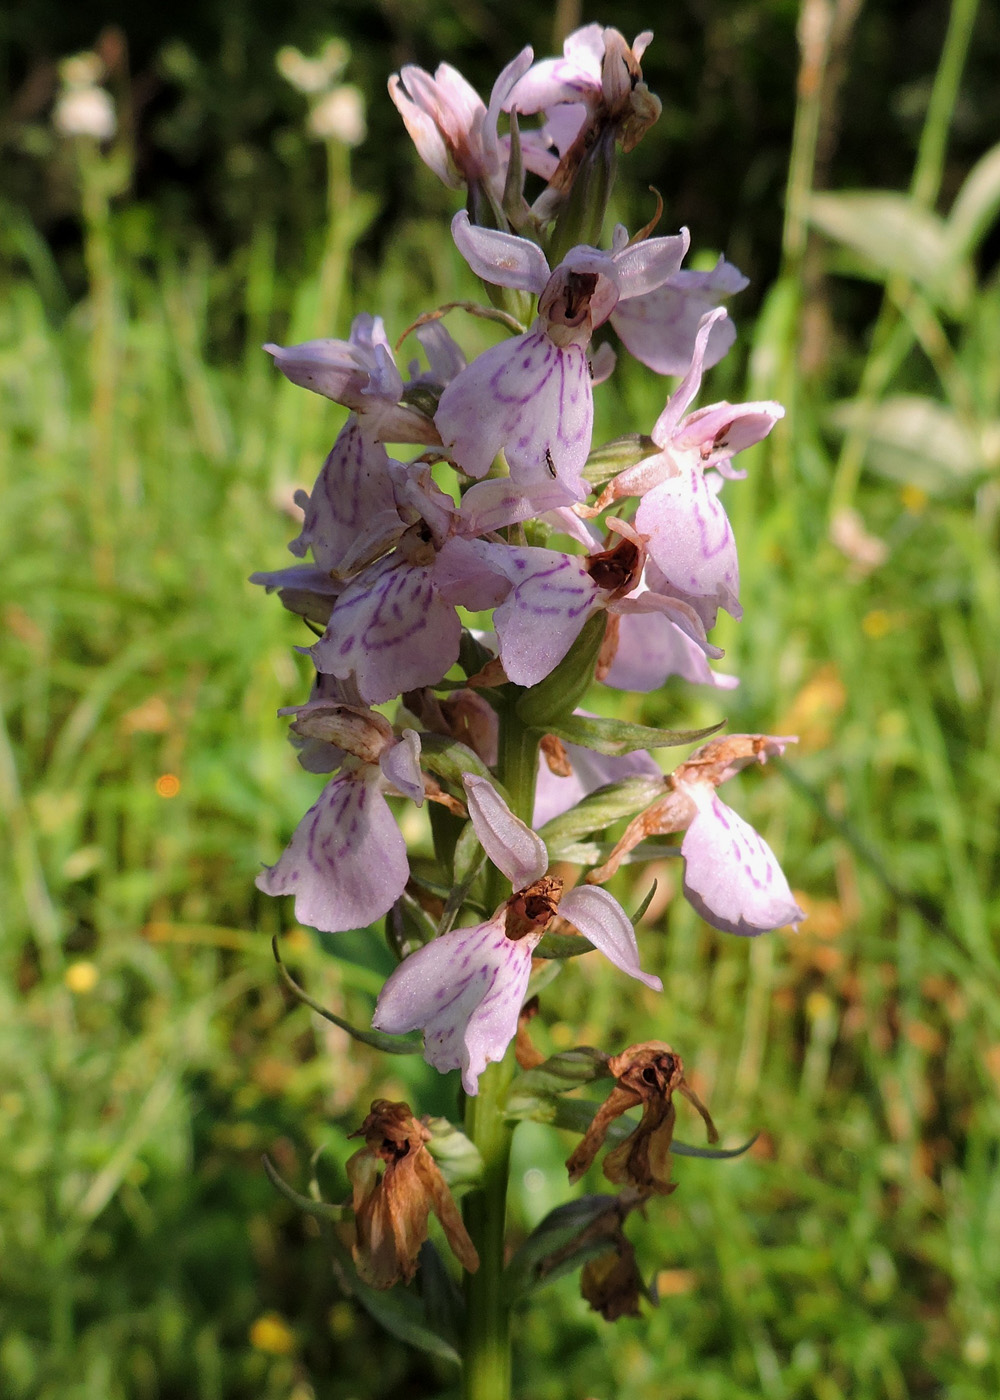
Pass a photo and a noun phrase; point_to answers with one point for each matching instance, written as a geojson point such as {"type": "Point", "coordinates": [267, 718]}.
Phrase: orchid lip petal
{"type": "Point", "coordinates": [346, 863]}
{"type": "Point", "coordinates": [602, 920]}
{"type": "Point", "coordinates": [510, 844]}
{"type": "Point", "coordinates": [464, 990]}
{"type": "Point", "coordinates": [731, 875]}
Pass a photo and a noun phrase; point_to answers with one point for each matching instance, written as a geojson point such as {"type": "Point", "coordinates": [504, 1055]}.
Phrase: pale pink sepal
{"type": "Point", "coordinates": [731, 875]}
{"type": "Point", "coordinates": [510, 844]}
{"type": "Point", "coordinates": [500, 258]}
{"type": "Point", "coordinates": [400, 765]}
{"type": "Point", "coordinates": [464, 990]}
{"type": "Point", "coordinates": [651, 648]}
{"type": "Point", "coordinates": [660, 329]}
{"type": "Point", "coordinates": [603, 922]}
{"type": "Point", "coordinates": [346, 863]}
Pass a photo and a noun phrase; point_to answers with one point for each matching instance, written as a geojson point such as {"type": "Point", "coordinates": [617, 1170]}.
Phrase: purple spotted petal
{"type": "Point", "coordinates": [350, 515]}
{"type": "Point", "coordinates": [390, 627]}
{"type": "Point", "coordinates": [511, 845]}
{"type": "Point", "coordinates": [528, 397]}
{"type": "Point", "coordinates": [651, 648]}
{"type": "Point", "coordinates": [544, 613]}
{"type": "Point", "coordinates": [602, 920]}
{"type": "Point", "coordinates": [346, 863]}
{"type": "Point", "coordinates": [731, 875]}
{"type": "Point", "coordinates": [464, 991]}
{"type": "Point", "coordinates": [690, 540]}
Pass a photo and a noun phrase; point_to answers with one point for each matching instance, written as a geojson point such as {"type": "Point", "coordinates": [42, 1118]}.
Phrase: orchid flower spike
{"type": "Point", "coordinates": [731, 875]}
{"type": "Point", "coordinates": [346, 863]}
{"type": "Point", "coordinates": [532, 395]}
{"type": "Point", "coordinates": [465, 988]}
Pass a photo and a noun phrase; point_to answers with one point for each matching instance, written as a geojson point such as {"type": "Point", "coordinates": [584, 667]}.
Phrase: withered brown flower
{"type": "Point", "coordinates": [647, 1074]}
{"type": "Point", "coordinates": [611, 1282]}
{"type": "Point", "coordinates": [396, 1184]}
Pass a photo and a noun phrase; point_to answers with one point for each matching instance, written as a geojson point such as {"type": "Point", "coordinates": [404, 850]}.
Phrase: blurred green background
{"type": "Point", "coordinates": [843, 156]}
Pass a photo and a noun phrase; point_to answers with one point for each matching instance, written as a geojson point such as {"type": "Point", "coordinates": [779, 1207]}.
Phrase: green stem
{"type": "Point", "coordinates": [487, 1369]}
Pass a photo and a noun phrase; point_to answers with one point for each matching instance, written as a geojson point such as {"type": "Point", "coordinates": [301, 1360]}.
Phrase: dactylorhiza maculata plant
{"type": "Point", "coordinates": [578, 564]}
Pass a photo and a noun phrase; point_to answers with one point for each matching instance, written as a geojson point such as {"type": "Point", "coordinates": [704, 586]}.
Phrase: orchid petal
{"type": "Point", "coordinates": [511, 845]}
{"type": "Point", "coordinates": [660, 329]}
{"type": "Point", "coordinates": [390, 627]}
{"type": "Point", "coordinates": [687, 390]}
{"type": "Point", "coordinates": [552, 597]}
{"type": "Point", "coordinates": [424, 134]}
{"type": "Point", "coordinates": [690, 540]}
{"type": "Point", "coordinates": [350, 516]}
{"type": "Point", "coordinates": [500, 258]}
{"type": "Point", "coordinates": [464, 990]}
{"type": "Point", "coordinates": [529, 397]}
{"type": "Point", "coordinates": [721, 430]}
{"type": "Point", "coordinates": [651, 648]}
{"type": "Point", "coordinates": [731, 875]}
{"type": "Point", "coordinates": [346, 863]}
{"type": "Point", "coordinates": [400, 766]}
{"type": "Point", "coordinates": [642, 267]}
{"type": "Point", "coordinates": [603, 922]}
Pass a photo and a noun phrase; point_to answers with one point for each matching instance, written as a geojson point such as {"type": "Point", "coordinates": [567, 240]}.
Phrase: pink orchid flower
{"type": "Point", "coordinates": [395, 626]}
{"type": "Point", "coordinates": [532, 395]}
{"type": "Point", "coordinates": [464, 989]}
{"type": "Point", "coordinates": [731, 875]}
{"type": "Point", "coordinates": [346, 863]}
{"type": "Point", "coordinates": [551, 595]}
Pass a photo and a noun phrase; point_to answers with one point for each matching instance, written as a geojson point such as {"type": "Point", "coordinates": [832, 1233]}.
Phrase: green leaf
{"type": "Point", "coordinates": [449, 759]}
{"type": "Point", "coordinates": [534, 1263]}
{"type": "Point", "coordinates": [915, 440]}
{"type": "Point", "coordinates": [895, 236]}
{"type": "Point", "coordinates": [306, 1204]}
{"type": "Point", "coordinates": [599, 809]}
{"type": "Point", "coordinates": [459, 1159]}
{"type": "Point", "coordinates": [597, 852]}
{"type": "Point", "coordinates": [541, 976]}
{"type": "Point", "coordinates": [617, 736]}
{"type": "Point", "coordinates": [558, 1075]}
{"type": "Point", "coordinates": [976, 205]}
{"type": "Point", "coordinates": [403, 1315]}
{"type": "Point", "coordinates": [391, 1044]}
{"type": "Point", "coordinates": [613, 457]}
